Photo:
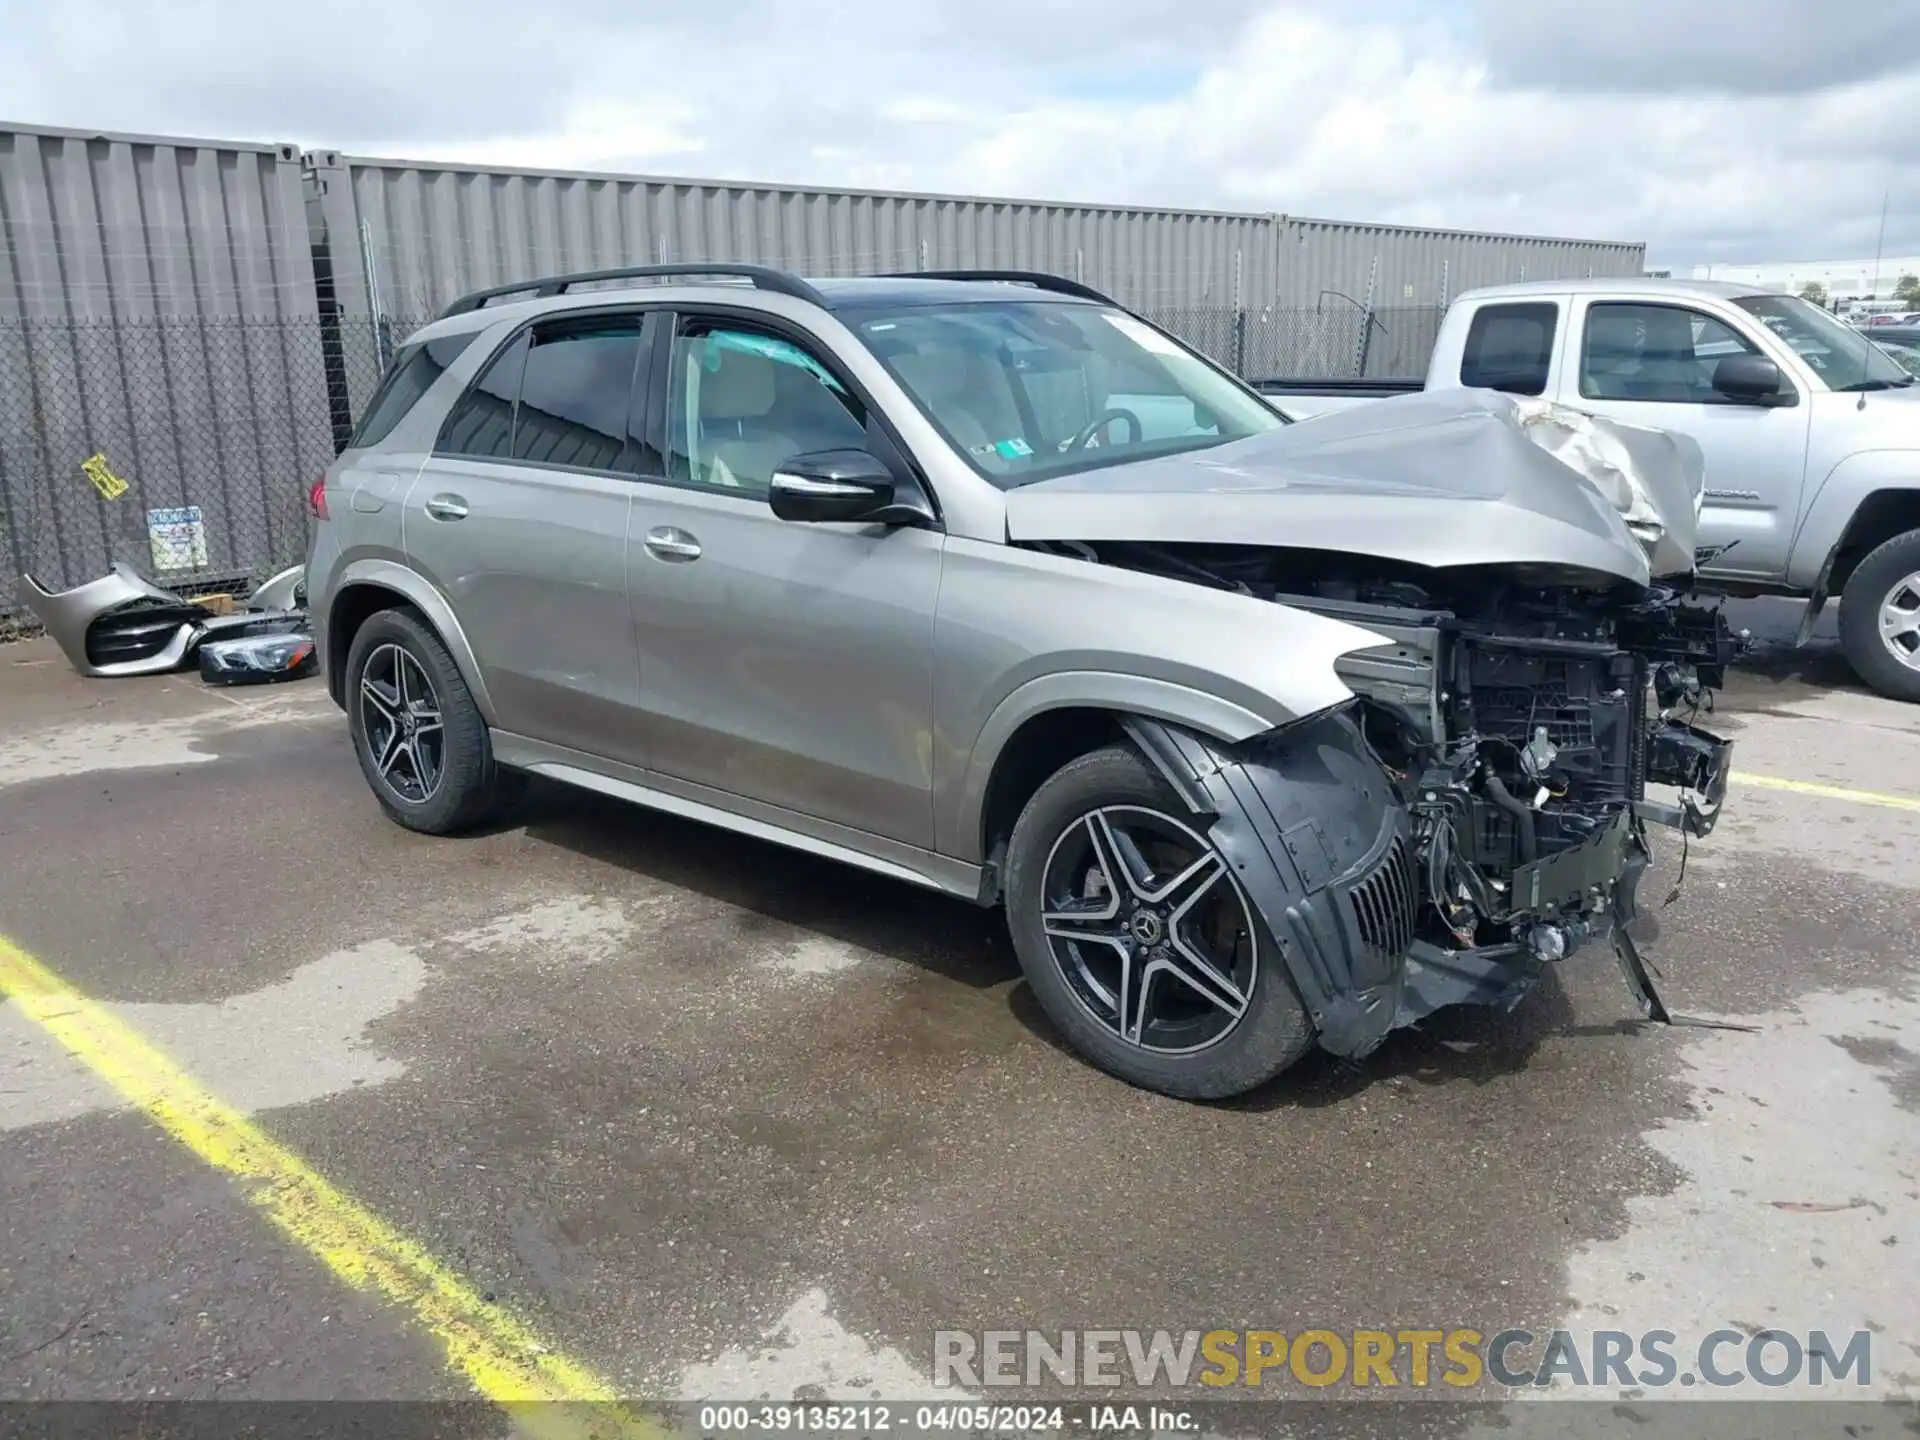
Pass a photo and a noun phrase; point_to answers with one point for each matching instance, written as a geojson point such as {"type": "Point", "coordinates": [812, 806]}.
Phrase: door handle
{"type": "Point", "coordinates": [447, 507]}
{"type": "Point", "coordinates": [667, 543]}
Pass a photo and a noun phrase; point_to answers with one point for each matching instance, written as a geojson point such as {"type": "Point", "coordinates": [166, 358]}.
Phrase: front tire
{"type": "Point", "coordinates": [1139, 941]}
{"type": "Point", "coordinates": [1880, 618]}
{"type": "Point", "coordinates": [421, 741]}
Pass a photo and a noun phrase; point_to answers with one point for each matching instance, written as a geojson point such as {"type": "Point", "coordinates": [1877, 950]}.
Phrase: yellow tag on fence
{"type": "Point", "coordinates": [110, 485]}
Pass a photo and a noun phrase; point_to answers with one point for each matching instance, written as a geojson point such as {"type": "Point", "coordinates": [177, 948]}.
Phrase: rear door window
{"type": "Point", "coordinates": [481, 425]}
{"type": "Point", "coordinates": [576, 396]}
{"type": "Point", "coordinates": [414, 370]}
{"type": "Point", "coordinates": [1510, 348]}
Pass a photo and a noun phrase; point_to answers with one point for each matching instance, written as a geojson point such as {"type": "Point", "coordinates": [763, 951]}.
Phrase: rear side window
{"type": "Point", "coordinates": [1510, 347]}
{"type": "Point", "coordinates": [412, 374]}
{"type": "Point", "coordinates": [560, 394]}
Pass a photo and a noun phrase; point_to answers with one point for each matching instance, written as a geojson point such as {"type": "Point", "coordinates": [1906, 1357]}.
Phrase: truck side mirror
{"type": "Point", "coordinates": [1750, 380]}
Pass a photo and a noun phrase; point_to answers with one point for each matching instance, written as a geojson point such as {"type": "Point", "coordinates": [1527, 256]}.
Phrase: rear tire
{"type": "Point", "coordinates": [1186, 994]}
{"type": "Point", "coordinates": [421, 741]}
{"type": "Point", "coordinates": [1880, 614]}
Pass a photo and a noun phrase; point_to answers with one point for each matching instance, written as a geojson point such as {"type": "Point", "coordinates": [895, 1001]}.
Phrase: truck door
{"type": "Point", "coordinates": [1653, 364]}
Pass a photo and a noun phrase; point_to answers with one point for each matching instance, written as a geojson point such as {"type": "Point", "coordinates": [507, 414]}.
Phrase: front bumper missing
{"type": "Point", "coordinates": [1322, 844]}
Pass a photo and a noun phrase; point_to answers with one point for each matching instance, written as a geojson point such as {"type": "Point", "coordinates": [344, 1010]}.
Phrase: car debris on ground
{"type": "Point", "coordinates": [123, 624]}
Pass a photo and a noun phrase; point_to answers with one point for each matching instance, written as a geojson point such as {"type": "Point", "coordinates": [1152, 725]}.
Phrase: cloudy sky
{"type": "Point", "coordinates": [1712, 129]}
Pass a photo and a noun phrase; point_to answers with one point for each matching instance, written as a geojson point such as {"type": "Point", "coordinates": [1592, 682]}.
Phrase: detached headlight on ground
{"type": "Point", "coordinates": [256, 658]}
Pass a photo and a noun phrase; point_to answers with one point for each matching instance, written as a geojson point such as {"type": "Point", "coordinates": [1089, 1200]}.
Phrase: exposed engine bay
{"type": "Point", "coordinates": [1521, 712]}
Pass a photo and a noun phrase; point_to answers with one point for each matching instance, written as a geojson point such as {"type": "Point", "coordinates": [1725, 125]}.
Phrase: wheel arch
{"type": "Point", "coordinates": [1864, 501]}
{"type": "Point", "coordinates": [1057, 718]}
{"type": "Point", "coordinates": [367, 588]}
{"type": "Point", "coordinates": [1880, 516]}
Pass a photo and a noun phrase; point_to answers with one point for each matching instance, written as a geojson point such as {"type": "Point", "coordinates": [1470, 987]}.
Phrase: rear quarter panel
{"type": "Point", "coordinates": [363, 540]}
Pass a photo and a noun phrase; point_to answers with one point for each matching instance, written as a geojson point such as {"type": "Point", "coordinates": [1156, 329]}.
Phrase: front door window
{"type": "Point", "coordinates": [743, 401]}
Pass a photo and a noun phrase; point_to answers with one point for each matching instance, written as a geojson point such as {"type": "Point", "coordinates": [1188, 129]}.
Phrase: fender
{"type": "Point", "coordinates": [1837, 500]}
{"type": "Point", "coordinates": [389, 575]}
{"type": "Point", "coordinates": [1321, 842]}
{"type": "Point", "coordinates": [1138, 695]}
{"type": "Point", "coordinates": [1022, 631]}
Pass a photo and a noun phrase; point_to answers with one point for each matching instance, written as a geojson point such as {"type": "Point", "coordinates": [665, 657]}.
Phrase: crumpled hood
{"type": "Point", "coordinates": [1439, 478]}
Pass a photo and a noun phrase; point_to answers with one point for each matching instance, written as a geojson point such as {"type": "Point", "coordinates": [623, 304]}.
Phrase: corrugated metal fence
{"type": "Point", "coordinates": [201, 320]}
{"type": "Point", "coordinates": [157, 312]}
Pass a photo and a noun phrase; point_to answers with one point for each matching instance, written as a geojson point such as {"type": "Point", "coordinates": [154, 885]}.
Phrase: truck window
{"type": "Point", "coordinates": [1659, 353]}
{"type": "Point", "coordinates": [1510, 347]}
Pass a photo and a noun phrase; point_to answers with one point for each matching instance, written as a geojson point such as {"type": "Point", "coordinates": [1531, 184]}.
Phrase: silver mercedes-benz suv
{"type": "Point", "coordinates": [1265, 735]}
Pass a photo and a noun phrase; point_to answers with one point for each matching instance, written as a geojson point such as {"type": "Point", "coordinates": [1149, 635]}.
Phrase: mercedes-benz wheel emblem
{"type": "Point", "coordinates": [1146, 927]}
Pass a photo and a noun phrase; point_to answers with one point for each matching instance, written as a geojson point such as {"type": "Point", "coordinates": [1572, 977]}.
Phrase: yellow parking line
{"type": "Point", "coordinates": [1830, 792]}
{"type": "Point", "coordinates": [548, 1394]}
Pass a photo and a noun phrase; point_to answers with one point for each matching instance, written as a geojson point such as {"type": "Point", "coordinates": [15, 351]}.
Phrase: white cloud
{"type": "Point", "coordinates": [1646, 120]}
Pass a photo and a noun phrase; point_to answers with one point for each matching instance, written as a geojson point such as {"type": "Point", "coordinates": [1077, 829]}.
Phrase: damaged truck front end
{"type": "Point", "coordinates": [1480, 810]}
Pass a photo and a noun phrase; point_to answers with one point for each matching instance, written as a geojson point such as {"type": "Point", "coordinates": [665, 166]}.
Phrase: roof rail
{"type": "Point", "coordinates": [763, 277]}
{"type": "Point", "coordinates": [1036, 278]}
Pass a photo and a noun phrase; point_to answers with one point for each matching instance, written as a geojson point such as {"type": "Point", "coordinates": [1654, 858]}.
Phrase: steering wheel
{"type": "Point", "coordinates": [1104, 419]}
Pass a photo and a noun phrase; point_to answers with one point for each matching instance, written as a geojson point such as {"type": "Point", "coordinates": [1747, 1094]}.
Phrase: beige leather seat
{"type": "Point", "coordinates": [737, 447]}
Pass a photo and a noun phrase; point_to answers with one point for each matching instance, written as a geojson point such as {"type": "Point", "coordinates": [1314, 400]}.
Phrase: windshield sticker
{"type": "Point", "coordinates": [1145, 336]}
{"type": "Point", "coordinates": [1015, 449]}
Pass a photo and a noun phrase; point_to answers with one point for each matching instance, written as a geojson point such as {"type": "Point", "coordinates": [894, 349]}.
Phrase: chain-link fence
{"type": "Point", "coordinates": [185, 447]}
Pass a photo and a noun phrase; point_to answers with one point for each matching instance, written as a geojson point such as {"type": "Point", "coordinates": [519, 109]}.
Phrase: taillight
{"type": "Point", "coordinates": [317, 499]}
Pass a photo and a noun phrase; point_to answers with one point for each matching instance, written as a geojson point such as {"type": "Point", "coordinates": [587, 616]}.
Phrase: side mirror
{"type": "Point", "coordinates": [1751, 379]}
{"type": "Point", "coordinates": [843, 485]}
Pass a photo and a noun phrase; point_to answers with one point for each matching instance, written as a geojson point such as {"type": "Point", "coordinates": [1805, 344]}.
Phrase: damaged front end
{"type": "Point", "coordinates": [1480, 811]}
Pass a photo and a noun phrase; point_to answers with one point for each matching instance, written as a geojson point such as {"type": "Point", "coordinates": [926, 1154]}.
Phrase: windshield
{"type": "Point", "coordinates": [1031, 389]}
{"type": "Point", "coordinates": [1905, 356]}
{"type": "Point", "coordinates": [1841, 356]}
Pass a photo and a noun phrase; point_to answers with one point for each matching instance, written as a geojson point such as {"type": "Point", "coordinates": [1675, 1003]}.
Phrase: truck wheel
{"type": "Point", "coordinates": [421, 741]}
{"type": "Point", "coordinates": [1880, 618]}
{"type": "Point", "coordinates": [1139, 941]}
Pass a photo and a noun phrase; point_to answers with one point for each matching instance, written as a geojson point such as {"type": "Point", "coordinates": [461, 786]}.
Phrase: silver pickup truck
{"type": "Point", "coordinates": [1810, 432]}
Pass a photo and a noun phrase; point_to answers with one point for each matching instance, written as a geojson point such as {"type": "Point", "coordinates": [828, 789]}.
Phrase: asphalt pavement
{"type": "Point", "coordinates": [719, 1120]}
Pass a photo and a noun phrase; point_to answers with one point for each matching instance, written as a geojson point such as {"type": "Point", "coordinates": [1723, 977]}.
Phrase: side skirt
{"type": "Point", "coordinates": [747, 817]}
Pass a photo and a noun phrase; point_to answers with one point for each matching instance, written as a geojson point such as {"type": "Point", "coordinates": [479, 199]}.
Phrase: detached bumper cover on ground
{"type": "Point", "coordinates": [123, 624]}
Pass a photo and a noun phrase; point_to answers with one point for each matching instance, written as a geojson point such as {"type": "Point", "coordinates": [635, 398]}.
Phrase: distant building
{"type": "Point", "coordinates": [1842, 279]}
